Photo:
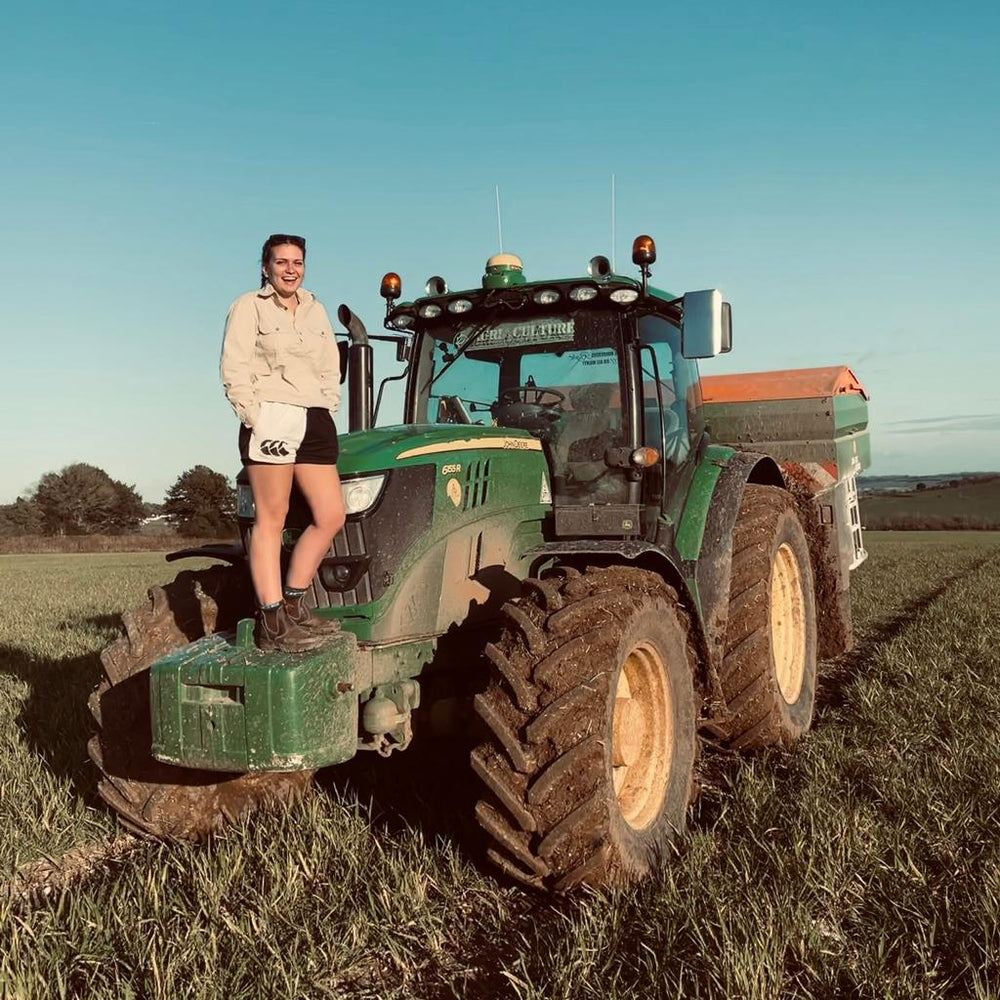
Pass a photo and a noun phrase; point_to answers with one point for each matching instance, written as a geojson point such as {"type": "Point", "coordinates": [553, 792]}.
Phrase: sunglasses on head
{"type": "Point", "coordinates": [276, 239]}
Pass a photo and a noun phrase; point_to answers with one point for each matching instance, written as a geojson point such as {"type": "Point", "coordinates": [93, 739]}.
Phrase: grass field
{"type": "Point", "coordinates": [866, 863]}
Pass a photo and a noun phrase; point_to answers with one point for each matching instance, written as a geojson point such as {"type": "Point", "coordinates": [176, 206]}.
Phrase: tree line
{"type": "Point", "coordinates": [82, 499]}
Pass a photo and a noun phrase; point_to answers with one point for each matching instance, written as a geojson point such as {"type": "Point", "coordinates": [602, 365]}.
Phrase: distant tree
{"type": "Point", "coordinates": [202, 503]}
{"type": "Point", "coordinates": [131, 509]}
{"type": "Point", "coordinates": [83, 500]}
{"type": "Point", "coordinates": [22, 517]}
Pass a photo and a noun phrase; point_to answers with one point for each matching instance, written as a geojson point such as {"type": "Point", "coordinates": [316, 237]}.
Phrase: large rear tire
{"type": "Point", "coordinates": [151, 798]}
{"type": "Point", "coordinates": [592, 713]}
{"type": "Point", "coordinates": [769, 670]}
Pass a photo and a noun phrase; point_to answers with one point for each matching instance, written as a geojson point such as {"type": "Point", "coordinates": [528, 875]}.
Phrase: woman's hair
{"type": "Point", "coordinates": [276, 240]}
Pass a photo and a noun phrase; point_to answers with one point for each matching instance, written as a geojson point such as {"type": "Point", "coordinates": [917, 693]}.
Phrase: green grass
{"type": "Point", "coordinates": [865, 863]}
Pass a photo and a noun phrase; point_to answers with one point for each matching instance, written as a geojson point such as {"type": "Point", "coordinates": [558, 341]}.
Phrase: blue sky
{"type": "Point", "coordinates": [832, 168]}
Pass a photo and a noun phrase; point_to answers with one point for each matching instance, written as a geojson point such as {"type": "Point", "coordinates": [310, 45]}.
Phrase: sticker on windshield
{"type": "Point", "coordinates": [603, 356]}
{"type": "Point", "coordinates": [550, 331]}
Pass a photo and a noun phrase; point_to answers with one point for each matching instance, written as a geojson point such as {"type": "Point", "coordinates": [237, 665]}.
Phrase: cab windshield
{"type": "Point", "coordinates": [556, 376]}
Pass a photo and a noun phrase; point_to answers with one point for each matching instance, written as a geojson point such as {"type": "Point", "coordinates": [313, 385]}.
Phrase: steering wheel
{"type": "Point", "coordinates": [534, 408]}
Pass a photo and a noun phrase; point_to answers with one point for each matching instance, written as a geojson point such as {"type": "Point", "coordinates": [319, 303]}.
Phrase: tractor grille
{"type": "Point", "coordinates": [371, 545]}
{"type": "Point", "coordinates": [379, 539]}
{"type": "Point", "coordinates": [477, 484]}
{"type": "Point", "coordinates": [349, 542]}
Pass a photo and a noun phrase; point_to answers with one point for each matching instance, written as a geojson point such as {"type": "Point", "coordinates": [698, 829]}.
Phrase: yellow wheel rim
{"type": "Point", "coordinates": [788, 623]}
{"type": "Point", "coordinates": [642, 735]}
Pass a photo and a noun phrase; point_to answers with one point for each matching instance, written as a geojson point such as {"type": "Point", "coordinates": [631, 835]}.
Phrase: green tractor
{"type": "Point", "coordinates": [556, 538]}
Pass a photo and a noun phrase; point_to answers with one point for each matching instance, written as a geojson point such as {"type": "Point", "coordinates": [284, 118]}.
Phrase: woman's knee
{"type": "Point", "coordinates": [270, 517]}
{"type": "Point", "coordinates": [330, 519]}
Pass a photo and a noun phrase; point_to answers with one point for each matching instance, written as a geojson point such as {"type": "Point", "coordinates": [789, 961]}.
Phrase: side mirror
{"type": "Point", "coordinates": [402, 350]}
{"type": "Point", "coordinates": [706, 329]}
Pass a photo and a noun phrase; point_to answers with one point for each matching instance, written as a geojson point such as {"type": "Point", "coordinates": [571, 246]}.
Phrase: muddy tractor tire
{"type": "Point", "coordinates": [591, 709]}
{"type": "Point", "coordinates": [154, 799]}
{"type": "Point", "coordinates": [768, 672]}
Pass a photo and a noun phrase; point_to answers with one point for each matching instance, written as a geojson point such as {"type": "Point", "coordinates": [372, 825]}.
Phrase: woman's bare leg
{"type": "Point", "coordinates": [272, 486]}
{"type": "Point", "coordinates": [320, 485]}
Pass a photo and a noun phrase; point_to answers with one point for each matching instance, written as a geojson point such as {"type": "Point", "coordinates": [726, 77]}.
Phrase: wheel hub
{"type": "Point", "coordinates": [630, 731]}
{"type": "Point", "coordinates": [642, 735]}
{"type": "Point", "coordinates": [788, 623]}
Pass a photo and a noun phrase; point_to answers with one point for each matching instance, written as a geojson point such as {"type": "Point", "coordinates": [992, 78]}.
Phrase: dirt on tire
{"type": "Point", "coordinates": [551, 811]}
{"type": "Point", "coordinates": [759, 713]}
{"type": "Point", "coordinates": [159, 800]}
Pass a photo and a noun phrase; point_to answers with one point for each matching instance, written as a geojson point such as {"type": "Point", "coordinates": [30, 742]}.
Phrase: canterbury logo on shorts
{"type": "Point", "coordinates": [277, 433]}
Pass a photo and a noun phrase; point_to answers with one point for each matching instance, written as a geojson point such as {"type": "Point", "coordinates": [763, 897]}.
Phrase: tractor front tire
{"type": "Point", "coordinates": [591, 707]}
{"type": "Point", "coordinates": [769, 669]}
{"type": "Point", "coordinates": [159, 800]}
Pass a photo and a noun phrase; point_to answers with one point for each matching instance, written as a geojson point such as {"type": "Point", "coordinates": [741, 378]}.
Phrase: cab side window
{"type": "Point", "coordinates": [676, 389]}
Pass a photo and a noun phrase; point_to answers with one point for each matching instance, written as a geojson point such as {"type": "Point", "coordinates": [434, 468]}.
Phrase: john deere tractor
{"type": "Point", "coordinates": [605, 557]}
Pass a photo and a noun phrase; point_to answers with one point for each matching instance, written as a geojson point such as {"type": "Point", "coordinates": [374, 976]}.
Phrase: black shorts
{"type": "Point", "coordinates": [319, 446]}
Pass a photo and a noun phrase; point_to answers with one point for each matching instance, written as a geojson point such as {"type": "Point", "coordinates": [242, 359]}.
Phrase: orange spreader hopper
{"type": "Point", "coordinates": [791, 383]}
{"type": "Point", "coordinates": [812, 421]}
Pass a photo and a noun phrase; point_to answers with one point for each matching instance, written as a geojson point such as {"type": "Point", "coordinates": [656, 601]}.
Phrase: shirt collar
{"type": "Point", "coordinates": [268, 291]}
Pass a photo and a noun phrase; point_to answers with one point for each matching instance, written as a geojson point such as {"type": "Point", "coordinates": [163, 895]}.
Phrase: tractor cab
{"type": "Point", "coordinates": [594, 368]}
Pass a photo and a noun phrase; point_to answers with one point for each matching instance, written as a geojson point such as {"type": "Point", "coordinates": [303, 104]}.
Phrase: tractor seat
{"type": "Point", "coordinates": [588, 427]}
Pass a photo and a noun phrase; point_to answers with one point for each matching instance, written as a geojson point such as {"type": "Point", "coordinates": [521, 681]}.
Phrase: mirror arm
{"type": "Point", "coordinates": [381, 388]}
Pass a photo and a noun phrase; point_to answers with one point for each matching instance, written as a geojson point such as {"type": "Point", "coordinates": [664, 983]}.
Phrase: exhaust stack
{"type": "Point", "coordinates": [359, 371]}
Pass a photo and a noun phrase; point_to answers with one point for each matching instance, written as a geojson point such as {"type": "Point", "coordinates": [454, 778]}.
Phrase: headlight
{"type": "Point", "coordinates": [402, 321]}
{"type": "Point", "coordinates": [430, 311]}
{"type": "Point", "coordinates": [361, 494]}
{"type": "Point", "coordinates": [624, 295]}
{"type": "Point", "coordinates": [546, 296]}
{"type": "Point", "coordinates": [244, 501]}
{"type": "Point", "coordinates": [583, 293]}
{"type": "Point", "coordinates": [459, 306]}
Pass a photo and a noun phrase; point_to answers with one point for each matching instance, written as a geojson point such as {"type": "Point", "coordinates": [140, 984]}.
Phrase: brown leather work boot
{"type": "Point", "coordinates": [275, 632]}
{"type": "Point", "coordinates": [299, 614]}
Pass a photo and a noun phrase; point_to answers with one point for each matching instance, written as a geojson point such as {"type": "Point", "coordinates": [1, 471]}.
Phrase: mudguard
{"type": "Point", "coordinates": [644, 554]}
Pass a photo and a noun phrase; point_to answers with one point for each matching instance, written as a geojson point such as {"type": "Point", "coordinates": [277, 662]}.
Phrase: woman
{"type": "Point", "coordinates": [281, 373]}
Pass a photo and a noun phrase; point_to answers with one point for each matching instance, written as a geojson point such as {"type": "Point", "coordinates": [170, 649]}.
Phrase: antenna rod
{"type": "Point", "coordinates": [612, 223]}
{"type": "Point", "coordinates": [499, 224]}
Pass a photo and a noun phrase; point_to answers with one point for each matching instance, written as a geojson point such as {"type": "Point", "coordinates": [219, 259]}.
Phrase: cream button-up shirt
{"type": "Point", "coordinates": [270, 353]}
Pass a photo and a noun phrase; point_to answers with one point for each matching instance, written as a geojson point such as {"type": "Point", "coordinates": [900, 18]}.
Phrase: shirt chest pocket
{"type": "Point", "coordinates": [277, 345]}
{"type": "Point", "coordinates": [313, 341]}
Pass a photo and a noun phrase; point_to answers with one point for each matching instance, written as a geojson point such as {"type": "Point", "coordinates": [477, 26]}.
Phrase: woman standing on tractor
{"type": "Point", "coordinates": [281, 372]}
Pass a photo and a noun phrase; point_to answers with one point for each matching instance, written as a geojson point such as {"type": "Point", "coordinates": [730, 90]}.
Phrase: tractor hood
{"type": "Point", "coordinates": [416, 444]}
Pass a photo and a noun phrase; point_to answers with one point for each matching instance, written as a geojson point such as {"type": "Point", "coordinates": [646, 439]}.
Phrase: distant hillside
{"type": "Point", "coordinates": [966, 503]}
{"type": "Point", "coordinates": [881, 484]}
